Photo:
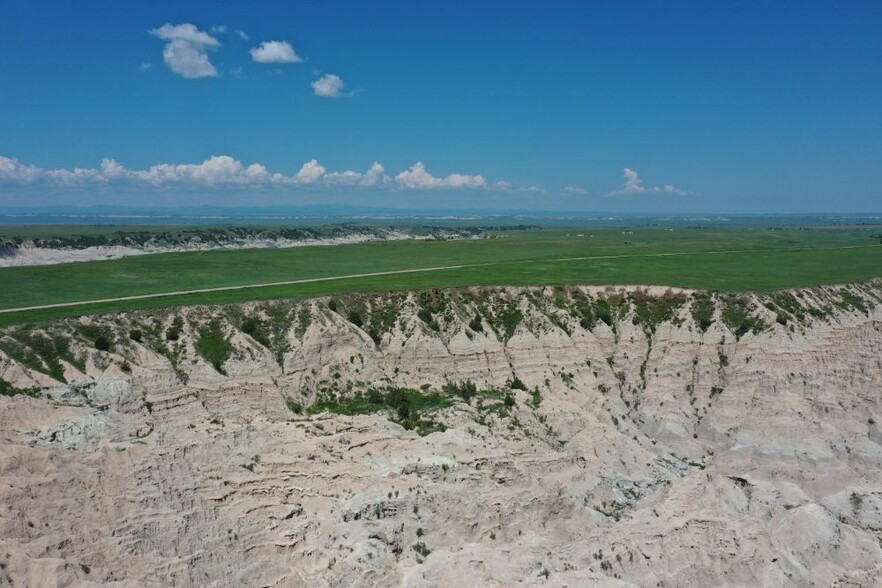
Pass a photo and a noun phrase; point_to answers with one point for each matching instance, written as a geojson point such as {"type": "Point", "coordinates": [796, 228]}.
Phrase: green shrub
{"type": "Point", "coordinates": [213, 346]}
{"type": "Point", "coordinates": [738, 315]}
{"type": "Point", "coordinates": [173, 333]}
{"type": "Point", "coordinates": [851, 302]}
{"type": "Point", "coordinates": [702, 310]}
{"type": "Point", "coordinates": [651, 311]}
{"type": "Point", "coordinates": [355, 318]}
{"type": "Point", "coordinates": [517, 384]}
{"type": "Point", "coordinates": [425, 315]}
{"type": "Point", "coordinates": [293, 406]}
{"type": "Point", "coordinates": [536, 400]}
{"type": "Point", "coordinates": [101, 343]}
{"type": "Point", "coordinates": [254, 328]}
{"type": "Point", "coordinates": [476, 324]}
{"type": "Point", "coordinates": [7, 389]}
{"type": "Point", "coordinates": [410, 407]}
{"type": "Point", "coordinates": [135, 335]}
{"type": "Point", "coordinates": [41, 352]}
{"type": "Point", "coordinates": [465, 390]}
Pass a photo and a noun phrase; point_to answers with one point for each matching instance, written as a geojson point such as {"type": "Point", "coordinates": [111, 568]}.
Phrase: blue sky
{"type": "Point", "coordinates": [621, 106]}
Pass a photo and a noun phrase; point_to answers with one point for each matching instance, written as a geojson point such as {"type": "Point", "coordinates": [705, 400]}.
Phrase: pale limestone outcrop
{"type": "Point", "coordinates": [656, 456]}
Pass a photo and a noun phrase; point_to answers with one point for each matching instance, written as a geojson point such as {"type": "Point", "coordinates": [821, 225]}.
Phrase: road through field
{"type": "Point", "coordinates": [415, 270]}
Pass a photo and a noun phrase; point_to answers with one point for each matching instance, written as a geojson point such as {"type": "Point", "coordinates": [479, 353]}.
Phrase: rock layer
{"type": "Point", "coordinates": [643, 452]}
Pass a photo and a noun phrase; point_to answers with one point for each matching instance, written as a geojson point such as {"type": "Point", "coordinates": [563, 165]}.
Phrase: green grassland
{"type": "Point", "coordinates": [737, 259]}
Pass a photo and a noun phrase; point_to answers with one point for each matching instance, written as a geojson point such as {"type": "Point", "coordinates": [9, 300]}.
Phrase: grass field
{"type": "Point", "coordinates": [722, 259]}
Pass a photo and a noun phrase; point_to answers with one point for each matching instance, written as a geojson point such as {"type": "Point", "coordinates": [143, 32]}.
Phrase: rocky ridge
{"type": "Point", "coordinates": [16, 252]}
{"type": "Point", "coordinates": [548, 436]}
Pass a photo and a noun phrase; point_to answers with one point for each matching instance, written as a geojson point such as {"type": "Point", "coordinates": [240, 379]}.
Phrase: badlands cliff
{"type": "Point", "coordinates": [15, 251]}
{"type": "Point", "coordinates": [561, 437]}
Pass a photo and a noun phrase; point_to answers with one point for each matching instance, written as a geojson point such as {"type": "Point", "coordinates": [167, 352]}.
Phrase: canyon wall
{"type": "Point", "coordinates": [613, 436]}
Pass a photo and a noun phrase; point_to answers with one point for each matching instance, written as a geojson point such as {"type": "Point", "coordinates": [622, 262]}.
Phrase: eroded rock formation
{"type": "Point", "coordinates": [645, 437]}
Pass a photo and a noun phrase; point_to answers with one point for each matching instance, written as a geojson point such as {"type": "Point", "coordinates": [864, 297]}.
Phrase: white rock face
{"type": "Point", "coordinates": [665, 457]}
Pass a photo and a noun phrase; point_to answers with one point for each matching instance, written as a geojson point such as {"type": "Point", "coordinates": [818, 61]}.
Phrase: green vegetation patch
{"type": "Point", "coordinates": [651, 311]}
{"type": "Point", "coordinates": [7, 389]}
{"type": "Point", "coordinates": [608, 309]}
{"type": "Point", "coordinates": [786, 307]}
{"type": "Point", "coordinates": [434, 308]}
{"type": "Point", "coordinates": [410, 408]}
{"type": "Point", "coordinates": [504, 316]}
{"type": "Point", "coordinates": [99, 336]}
{"type": "Point", "coordinates": [848, 301]}
{"type": "Point", "coordinates": [41, 351]}
{"type": "Point", "coordinates": [270, 323]}
{"type": "Point", "coordinates": [254, 327]}
{"type": "Point", "coordinates": [702, 309]}
{"type": "Point", "coordinates": [213, 345]}
{"type": "Point", "coordinates": [738, 314]}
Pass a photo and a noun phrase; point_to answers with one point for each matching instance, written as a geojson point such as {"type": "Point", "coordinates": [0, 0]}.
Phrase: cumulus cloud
{"type": "Point", "coordinates": [223, 170]}
{"type": "Point", "coordinates": [310, 173]}
{"type": "Point", "coordinates": [275, 52]}
{"type": "Point", "coordinates": [418, 178]}
{"type": "Point", "coordinates": [218, 29]}
{"type": "Point", "coordinates": [574, 190]}
{"type": "Point", "coordinates": [186, 50]}
{"type": "Point", "coordinates": [328, 86]}
{"type": "Point", "coordinates": [12, 170]}
{"type": "Point", "coordinates": [374, 176]}
{"type": "Point", "coordinates": [112, 170]}
{"type": "Point", "coordinates": [216, 170]}
{"type": "Point", "coordinates": [185, 32]}
{"type": "Point", "coordinates": [634, 186]}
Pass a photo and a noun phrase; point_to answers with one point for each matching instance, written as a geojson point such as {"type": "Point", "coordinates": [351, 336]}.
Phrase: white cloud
{"type": "Point", "coordinates": [374, 176]}
{"type": "Point", "coordinates": [145, 66]}
{"type": "Point", "coordinates": [218, 29]}
{"type": "Point", "coordinates": [216, 170]}
{"type": "Point", "coordinates": [12, 170]}
{"type": "Point", "coordinates": [573, 190]}
{"type": "Point", "coordinates": [77, 175]}
{"type": "Point", "coordinates": [418, 178]}
{"type": "Point", "coordinates": [186, 50]}
{"type": "Point", "coordinates": [185, 32]}
{"type": "Point", "coordinates": [223, 170]}
{"type": "Point", "coordinates": [242, 34]}
{"type": "Point", "coordinates": [328, 86]}
{"type": "Point", "coordinates": [188, 60]}
{"type": "Point", "coordinates": [310, 173]}
{"type": "Point", "coordinates": [275, 52]}
{"type": "Point", "coordinates": [112, 170]}
{"type": "Point", "coordinates": [634, 185]}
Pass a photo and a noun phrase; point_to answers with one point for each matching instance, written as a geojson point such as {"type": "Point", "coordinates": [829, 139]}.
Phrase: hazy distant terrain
{"type": "Point", "coordinates": [54, 244]}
